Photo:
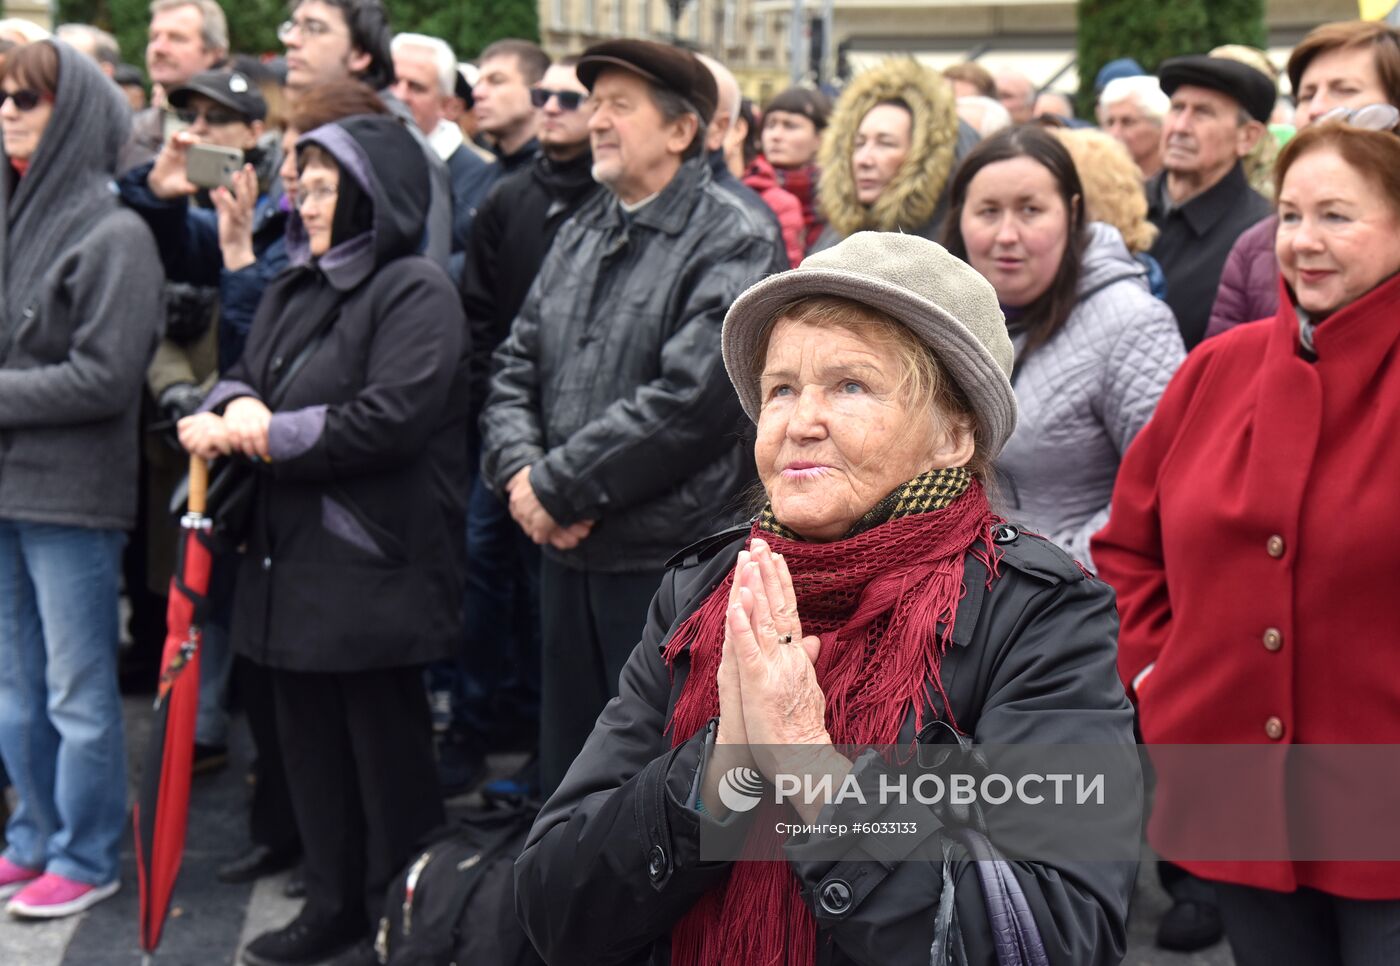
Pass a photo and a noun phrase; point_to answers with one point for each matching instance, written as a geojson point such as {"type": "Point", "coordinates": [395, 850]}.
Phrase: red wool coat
{"type": "Point", "coordinates": [1254, 542]}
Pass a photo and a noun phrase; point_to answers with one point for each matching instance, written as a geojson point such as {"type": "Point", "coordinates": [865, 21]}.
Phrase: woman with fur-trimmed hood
{"type": "Point", "coordinates": [889, 153]}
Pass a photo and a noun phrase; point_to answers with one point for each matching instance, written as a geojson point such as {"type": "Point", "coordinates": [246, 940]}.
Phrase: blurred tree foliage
{"type": "Point", "coordinates": [1150, 31]}
{"type": "Point", "coordinates": [468, 26]}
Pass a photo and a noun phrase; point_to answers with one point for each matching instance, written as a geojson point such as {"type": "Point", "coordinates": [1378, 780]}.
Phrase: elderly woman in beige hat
{"type": "Point", "coordinates": [874, 597]}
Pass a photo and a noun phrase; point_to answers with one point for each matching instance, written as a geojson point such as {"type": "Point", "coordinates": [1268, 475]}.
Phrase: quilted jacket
{"type": "Point", "coordinates": [1084, 395]}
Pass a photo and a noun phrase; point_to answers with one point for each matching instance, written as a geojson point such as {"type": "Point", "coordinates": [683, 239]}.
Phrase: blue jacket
{"type": "Point", "coordinates": [187, 237]}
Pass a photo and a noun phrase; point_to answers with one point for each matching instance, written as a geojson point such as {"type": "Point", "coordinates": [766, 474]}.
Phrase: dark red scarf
{"type": "Point", "coordinates": [876, 600]}
{"type": "Point", "coordinates": [802, 182]}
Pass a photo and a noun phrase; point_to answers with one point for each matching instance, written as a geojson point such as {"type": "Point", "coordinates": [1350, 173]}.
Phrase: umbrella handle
{"type": "Point", "coordinates": [199, 484]}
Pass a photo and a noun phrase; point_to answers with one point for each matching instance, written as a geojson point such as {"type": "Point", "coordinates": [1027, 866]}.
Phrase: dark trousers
{"type": "Point", "coordinates": [1308, 928]}
{"type": "Point", "coordinates": [359, 758]}
{"type": "Point", "coordinates": [271, 821]}
{"type": "Point", "coordinates": [591, 623]}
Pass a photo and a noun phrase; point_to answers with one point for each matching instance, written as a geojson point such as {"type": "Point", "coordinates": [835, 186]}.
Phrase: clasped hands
{"type": "Point", "coordinates": [536, 521]}
{"type": "Point", "coordinates": [772, 712]}
{"type": "Point", "coordinates": [243, 428]}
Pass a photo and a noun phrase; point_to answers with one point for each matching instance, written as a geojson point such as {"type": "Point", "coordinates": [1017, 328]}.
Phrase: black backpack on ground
{"type": "Point", "coordinates": [455, 903]}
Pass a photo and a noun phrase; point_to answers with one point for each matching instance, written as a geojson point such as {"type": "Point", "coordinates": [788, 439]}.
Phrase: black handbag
{"type": "Point", "coordinates": [233, 480]}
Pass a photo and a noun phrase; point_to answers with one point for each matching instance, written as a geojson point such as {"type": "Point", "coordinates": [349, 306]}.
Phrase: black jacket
{"type": "Point", "coordinates": [353, 559]}
{"type": "Point", "coordinates": [611, 386]}
{"type": "Point", "coordinates": [513, 231]}
{"type": "Point", "coordinates": [612, 861]}
{"type": "Point", "coordinates": [719, 171]}
{"type": "Point", "coordinates": [1195, 239]}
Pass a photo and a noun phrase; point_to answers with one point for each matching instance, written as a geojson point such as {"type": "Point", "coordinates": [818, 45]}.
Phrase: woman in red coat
{"type": "Point", "coordinates": [1254, 543]}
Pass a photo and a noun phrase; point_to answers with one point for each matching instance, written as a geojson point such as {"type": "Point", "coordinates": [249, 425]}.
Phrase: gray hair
{"type": "Point", "coordinates": [672, 107]}
{"type": "Point", "coordinates": [444, 61]}
{"type": "Point", "coordinates": [213, 30]}
{"type": "Point", "coordinates": [105, 49]}
{"type": "Point", "coordinates": [988, 112]}
{"type": "Point", "coordinates": [1148, 93]}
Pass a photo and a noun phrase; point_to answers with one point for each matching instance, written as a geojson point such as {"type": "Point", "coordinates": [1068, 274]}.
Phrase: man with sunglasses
{"type": "Point", "coordinates": [514, 230]}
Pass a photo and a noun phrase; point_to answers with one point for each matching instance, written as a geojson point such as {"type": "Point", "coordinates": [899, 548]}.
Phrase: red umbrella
{"type": "Point", "coordinates": [163, 806]}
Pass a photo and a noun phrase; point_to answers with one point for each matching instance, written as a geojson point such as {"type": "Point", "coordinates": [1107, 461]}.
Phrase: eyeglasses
{"type": "Point", "coordinates": [25, 100]}
{"type": "Point", "coordinates": [307, 27]}
{"type": "Point", "coordinates": [320, 194]}
{"type": "Point", "coordinates": [568, 100]}
{"type": "Point", "coordinates": [213, 117]}
{"type": "Point", "coordinates": [1372, 117]}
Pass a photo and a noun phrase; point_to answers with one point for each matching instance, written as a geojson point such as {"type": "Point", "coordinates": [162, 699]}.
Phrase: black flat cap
{"type": "Point", "coordinates": [1255, 92]}
{"type": "Point", "coordinates": [231, 89]}
{"type": "Point", "coordinates": [672, 68]}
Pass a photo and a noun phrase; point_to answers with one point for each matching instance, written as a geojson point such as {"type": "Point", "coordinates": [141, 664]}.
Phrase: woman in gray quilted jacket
{"type": "Point", "coordinates": [1094, 349]}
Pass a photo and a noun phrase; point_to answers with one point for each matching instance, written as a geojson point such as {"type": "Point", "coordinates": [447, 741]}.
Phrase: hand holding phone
{"type": "Point", "coordinates": [210, 166]}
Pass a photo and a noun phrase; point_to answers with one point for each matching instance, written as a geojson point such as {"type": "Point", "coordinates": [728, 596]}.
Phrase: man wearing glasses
{"type": "Point", "coordinates": [514, 229]}
{"type": "Point", "coordinates": [331, 40]}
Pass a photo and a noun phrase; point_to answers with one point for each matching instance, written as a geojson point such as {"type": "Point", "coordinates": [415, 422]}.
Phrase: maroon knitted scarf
{"type": "Point", "coordinates": [876, 599]}
{"type": "Point", "coordinates": [802, 182]}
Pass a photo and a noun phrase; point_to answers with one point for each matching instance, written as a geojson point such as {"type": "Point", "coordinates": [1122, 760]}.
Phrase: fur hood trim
{"type": "Point", "coordinates": [909, 202]}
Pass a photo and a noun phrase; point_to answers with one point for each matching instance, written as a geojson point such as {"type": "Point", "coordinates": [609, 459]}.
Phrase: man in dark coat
{"type": "Point", "coordinates": [610, 424]}
{"type": "Point", "coordinates": [1200, 201]}
{"type": "Point", "coordinates": [505, 115]}
{"type": "Point", "coordinates": [500, 664]}
{"type": "Point", "coordinates": [351, 397]}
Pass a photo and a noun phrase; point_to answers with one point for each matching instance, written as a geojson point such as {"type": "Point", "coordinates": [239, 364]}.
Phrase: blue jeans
{"type": "Point", "coordinates": [60, 713]}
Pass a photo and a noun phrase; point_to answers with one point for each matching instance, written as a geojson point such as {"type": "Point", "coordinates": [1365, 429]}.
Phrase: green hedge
{"type": "Point", "coordinates": [468, 26]}
{"type": "Point", "coordinates": [1150, 31]}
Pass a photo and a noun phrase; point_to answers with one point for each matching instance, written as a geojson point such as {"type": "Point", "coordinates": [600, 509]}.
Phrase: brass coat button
{"type": "Point", "coordinates": [1275, 546]}
{"type": "Point", "coordinates": [1273, 639]}
{"type": "Point", "coordinates": [1274, 729]}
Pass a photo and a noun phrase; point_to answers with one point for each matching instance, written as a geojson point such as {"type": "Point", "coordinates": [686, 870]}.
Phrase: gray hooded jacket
{"type": "Point", "coordinates": [1084, 395]}
{"type": "Point", "coordinates": [80, 311]}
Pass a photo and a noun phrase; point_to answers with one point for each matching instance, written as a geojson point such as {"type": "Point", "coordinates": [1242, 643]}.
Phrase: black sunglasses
{"type": "Point", "coordinates": [25, 100]}
{"type": "Point", "coordinates": [568, 100]}
{"type": "Point", "coordinates": [214, 117]}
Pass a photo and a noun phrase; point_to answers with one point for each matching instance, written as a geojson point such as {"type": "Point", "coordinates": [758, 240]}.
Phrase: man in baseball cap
{"type": "Point", "coordinates": [609, 425]}
{"type": "Point", "coordinates": [1201, 200]}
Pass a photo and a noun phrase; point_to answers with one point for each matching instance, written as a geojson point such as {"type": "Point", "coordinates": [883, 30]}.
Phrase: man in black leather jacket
{"type": "Point", "coordinates": [610, 424]}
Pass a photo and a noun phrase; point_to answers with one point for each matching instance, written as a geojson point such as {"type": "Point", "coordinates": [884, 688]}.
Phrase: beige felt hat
{"type": "Point", "coordinates": [943, 300]}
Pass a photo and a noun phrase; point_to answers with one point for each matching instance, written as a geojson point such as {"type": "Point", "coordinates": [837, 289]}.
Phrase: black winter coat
{"type": "Point", "coordinates": [353, 559]}
{"type": "Point", "coordinates": [612, 861]}
{"type": "Point", "coordinates": [514, 228]}
{"type": "Point", "coordinates": [611, 386]}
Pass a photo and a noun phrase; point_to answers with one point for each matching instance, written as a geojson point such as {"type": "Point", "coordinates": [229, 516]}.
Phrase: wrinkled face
{"type": "Point", "coordinates": [319, 48]}
{"type": "Point", "coordinates": [1338, 78]}
{"type": "Point", "coordinates": [1336, 235]}
{"type": "Point", "coordinates": [23, 130]}
{"type": "Point", "coordinates": [1016, 227]}
{"type": "Point", "coordinates": [502, 96]}
{"type": "Point", "coordinates": [316, 194]}
{"type": "Point", "coordinates": [882, 144]}
{"type": "Point", "coordinates": [836, 433]}
{"type": "Point", "coordinates": [417, 85]}
{"type": "Point", "coordinates": [215, 124]}
{"type": "Point", "coordinates": [1135, 130]}
{"type": "Point", "coordinates": [790, 140]}
{"type": "Point", "coordinates": [175, 51]}
{"type": "Point", "coordinates": [560, 128]}
{"type": "Point", "coordinates": [1202, 136]}
{"type": "Point", "coordinates": [632, 142]}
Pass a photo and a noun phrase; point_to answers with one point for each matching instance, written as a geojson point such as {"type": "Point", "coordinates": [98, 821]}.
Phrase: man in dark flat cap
{"type": "Point", "coordinates": [1200, 200]}
{"type": "Point", "coordinates": [609, 425]}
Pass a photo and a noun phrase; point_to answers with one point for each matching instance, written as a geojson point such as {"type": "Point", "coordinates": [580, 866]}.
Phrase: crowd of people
{"type": "Point", "coordinates": [585, 408]}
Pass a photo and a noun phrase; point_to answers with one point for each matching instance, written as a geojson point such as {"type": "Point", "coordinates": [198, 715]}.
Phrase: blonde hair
{"type": "Point", "coordinates": [1113, 191]}
{"type": "Point", "coordinates": [923, 381]}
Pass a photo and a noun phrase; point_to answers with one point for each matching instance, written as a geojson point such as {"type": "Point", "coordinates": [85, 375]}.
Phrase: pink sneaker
{"type": "Point", "coordinates": [14, 877]}
{"type": "Point", "coordinates": [52, 896]}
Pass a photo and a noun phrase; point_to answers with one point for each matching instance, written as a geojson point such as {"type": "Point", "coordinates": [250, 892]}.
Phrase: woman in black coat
{"type": "Point", "coordinates": [875, 601]}
{"type": "Point", "coordinates": [350, 397]}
